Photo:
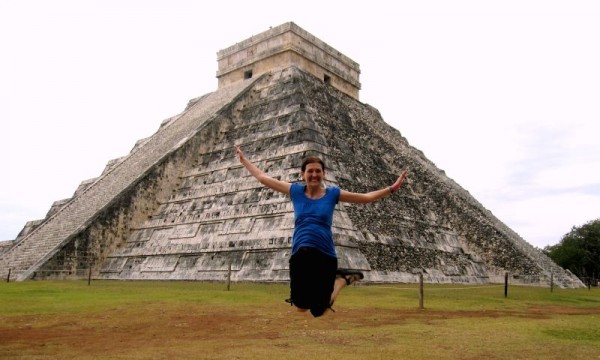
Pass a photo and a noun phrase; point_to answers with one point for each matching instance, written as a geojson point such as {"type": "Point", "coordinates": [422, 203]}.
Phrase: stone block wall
{"type": "Point", "coordinates": [284, 46]}
{"type": "Point", "coordinates": [219, 216]}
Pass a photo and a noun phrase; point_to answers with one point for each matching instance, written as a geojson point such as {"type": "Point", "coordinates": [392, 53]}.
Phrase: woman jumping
{"type": "Point", "coordinates": [315, 280]}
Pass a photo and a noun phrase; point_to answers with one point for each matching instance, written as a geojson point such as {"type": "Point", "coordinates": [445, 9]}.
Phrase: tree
{"type": "Point", "coordinates": [579, 251]}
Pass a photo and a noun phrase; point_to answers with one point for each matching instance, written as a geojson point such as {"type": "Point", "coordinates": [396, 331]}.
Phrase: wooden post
{"type": "Point", "coordinates": [421, 291]}
{"type": "Point", "coordinates": [229, 277]}
{"type": "Point", "coordinates": [8, 277]}
{"type": "Point", "coordinates": [506, 284]}
{"type": "Point", "coordinates": [551, 282]}
{"type": "Point", "coordinates": [90, 275]}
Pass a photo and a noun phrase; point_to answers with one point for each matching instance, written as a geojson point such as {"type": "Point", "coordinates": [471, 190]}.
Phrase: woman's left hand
{"type": "Point", "coordinates": [400, 180]}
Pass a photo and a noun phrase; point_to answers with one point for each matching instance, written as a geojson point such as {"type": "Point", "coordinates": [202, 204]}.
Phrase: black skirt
{"type": "Point", "coordinates": [312, 277]}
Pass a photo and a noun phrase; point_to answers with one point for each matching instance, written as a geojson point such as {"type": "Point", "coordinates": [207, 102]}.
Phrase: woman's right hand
{"type": "Point", "coordinates": [239, 152]}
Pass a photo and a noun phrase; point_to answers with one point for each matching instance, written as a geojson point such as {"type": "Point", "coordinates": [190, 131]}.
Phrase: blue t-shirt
{"type": "Point", "coordinates": [313, 219]}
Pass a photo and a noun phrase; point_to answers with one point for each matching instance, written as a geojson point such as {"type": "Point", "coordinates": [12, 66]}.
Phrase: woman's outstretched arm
{"type": "Point", "coordinates": [364, 198]}
{"type": "Point", "coordinates": [277, 185]}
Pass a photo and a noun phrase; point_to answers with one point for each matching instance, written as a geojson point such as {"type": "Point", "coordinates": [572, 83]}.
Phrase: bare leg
{"type": "Point", "coordinates": [342, 282]}
{"type": "Point", "coordinates": [338, 285]}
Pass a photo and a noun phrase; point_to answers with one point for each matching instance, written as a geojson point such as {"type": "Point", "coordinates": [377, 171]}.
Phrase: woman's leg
{"type": "Point", "coordinates": [339, 284]}
{"type": "Point", "coordinates": [342, 280]}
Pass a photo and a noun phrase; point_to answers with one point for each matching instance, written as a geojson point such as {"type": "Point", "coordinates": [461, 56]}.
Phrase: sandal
{"type": "Point", "coordinates": [351, 276]}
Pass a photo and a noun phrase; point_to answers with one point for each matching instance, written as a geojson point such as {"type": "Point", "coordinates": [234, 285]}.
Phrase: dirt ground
{"type": "Point", "coordinates": [201, 332]}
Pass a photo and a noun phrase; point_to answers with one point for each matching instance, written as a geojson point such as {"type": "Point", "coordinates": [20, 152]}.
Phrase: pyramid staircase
{"type": "Point", "coordinates": [33, 250]}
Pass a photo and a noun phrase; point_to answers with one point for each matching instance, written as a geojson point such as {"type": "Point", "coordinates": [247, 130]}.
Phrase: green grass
{"type": "Point", "coordinates": [194, 320]}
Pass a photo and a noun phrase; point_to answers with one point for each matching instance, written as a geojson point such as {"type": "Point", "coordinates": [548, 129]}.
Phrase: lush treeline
{"type": "Point", "coordinates": [579, 252]}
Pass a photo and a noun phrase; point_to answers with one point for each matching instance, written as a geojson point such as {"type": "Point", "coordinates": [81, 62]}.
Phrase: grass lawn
{"type": "Point", "coordinates": [197, 320]}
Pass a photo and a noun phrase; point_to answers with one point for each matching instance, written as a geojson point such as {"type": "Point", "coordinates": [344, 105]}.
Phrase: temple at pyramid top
{"type": "Point", "coordinates": [284, 46]}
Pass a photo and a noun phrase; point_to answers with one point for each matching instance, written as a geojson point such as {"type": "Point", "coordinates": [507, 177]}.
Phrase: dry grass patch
{"type": "Point", "coordinates": [186, 320]}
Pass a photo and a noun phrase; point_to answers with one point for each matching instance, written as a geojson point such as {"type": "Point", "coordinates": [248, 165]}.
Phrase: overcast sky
{"type": "Point", "coordinates": [504, 96]}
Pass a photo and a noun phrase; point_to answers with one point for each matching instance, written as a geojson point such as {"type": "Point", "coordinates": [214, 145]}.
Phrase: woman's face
{"type": "Point", "coordinates": [313, 174]}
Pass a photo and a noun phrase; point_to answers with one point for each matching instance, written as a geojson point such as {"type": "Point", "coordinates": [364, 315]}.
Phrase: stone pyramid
{"type": "Point", "coordinates": [181, 207]}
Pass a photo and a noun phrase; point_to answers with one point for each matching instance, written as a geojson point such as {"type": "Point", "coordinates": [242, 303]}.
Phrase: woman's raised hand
{"type": "Point", "coordinates": [239, 152]}
{"type": "Point", "coordinates": [400, 180]}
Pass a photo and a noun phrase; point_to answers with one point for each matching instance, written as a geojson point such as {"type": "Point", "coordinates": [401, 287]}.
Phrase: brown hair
{"type": "Point", "coordinates": [312, 160]}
